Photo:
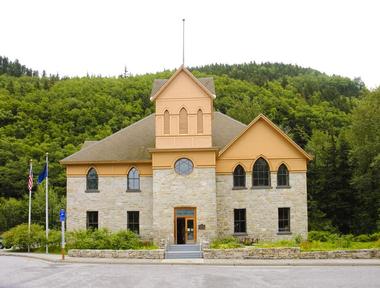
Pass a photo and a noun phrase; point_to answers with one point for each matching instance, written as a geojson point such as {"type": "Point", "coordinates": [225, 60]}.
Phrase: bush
{"type": "Point", "coordinates": [226, 243]}
{"type": "Point", "coordinates": [298, 239]}
{"type": "Point", "coordinates": [322, 236]}
{"type": "Point", "coordinates": [18, 237]}
{"type": "Point", "coordinates": [374, 236]}
{"type": "Point", "coordinates": [362, 238]}
{"type": "Point", "coordinates": [104, 239]}
{"type": "Point", "coordinates": [126, 239]}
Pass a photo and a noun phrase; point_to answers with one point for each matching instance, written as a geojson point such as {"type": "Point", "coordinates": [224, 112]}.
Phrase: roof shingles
{"type": "Point", "coordinates": [132, 143]}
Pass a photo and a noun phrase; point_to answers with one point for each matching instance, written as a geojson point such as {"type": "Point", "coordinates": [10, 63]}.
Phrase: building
{"type": "Point", "coordinates": [189, 174]}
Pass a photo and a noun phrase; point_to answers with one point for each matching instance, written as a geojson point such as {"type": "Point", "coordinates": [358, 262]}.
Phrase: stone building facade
{"type": "Point", "coordinates": [189, 174]}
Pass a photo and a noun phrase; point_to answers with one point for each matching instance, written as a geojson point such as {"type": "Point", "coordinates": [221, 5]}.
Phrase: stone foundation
{"type": "Point", "coordinates": [288, 253]}
{"type": "Point", "coordinates": [131, 254]}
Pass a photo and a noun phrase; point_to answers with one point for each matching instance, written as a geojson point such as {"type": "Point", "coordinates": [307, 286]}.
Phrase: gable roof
{"type": "Point", "coordinates": [131, 143]}
{"type": "Point", "coordinates": [275, 127]}
{"type": "Point", "coordinates": [206, 84]}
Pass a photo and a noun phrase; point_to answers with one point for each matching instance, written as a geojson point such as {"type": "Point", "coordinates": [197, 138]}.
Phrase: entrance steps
{"type": "Point", "coordinates": [184, 251]}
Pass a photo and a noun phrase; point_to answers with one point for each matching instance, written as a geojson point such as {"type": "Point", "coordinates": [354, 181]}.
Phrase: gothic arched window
{"type": "Point", "coordinates": [199, 121]}
{"type": "Point", "coordinates": [133, 179]}
{"type": "Point", "coordinates": [166, 122]}
{"type": "Point", "coordinates": [239, 177]}
{"type": "Point", "coordinates": [282, 176]}
{"type": "Point", "coordinates": [92, 180]}
{"type": "Point", "coordinates": [183, 129]}
{"type": "Point", "coordinates": [261, 173]}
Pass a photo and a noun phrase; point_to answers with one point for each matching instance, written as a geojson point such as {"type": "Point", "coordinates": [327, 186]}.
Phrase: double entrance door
{"type": "Point", "coordinates": [185, 231]}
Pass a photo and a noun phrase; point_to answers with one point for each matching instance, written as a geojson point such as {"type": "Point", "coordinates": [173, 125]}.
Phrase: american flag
{"type": "Point", "coordinates": [30, 180]}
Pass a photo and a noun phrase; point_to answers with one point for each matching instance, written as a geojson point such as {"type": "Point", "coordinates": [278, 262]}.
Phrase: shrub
{"type": "Point", "coordinates": [104, 239]}
{"type": "Point", "coordinates": [322, 236]}
{"type": "Point", "coordinates": [126, 239]}
{"type": "Point", "coordinates": [298, 239]}
{"type": "Point", "coordinates": [225, 243]}
{"type": "Point", "coordinates": [362, 238]}
{"type": "Point", "coordinates": [18, 237]}
{"type": "Point", "coordinates": [374, 236]}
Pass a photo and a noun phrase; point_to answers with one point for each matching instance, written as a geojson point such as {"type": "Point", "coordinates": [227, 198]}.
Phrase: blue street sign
{"type": "Point", "coordinates": [62, 215]}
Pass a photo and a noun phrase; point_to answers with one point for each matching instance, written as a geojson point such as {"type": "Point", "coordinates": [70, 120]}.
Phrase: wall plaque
{"type": "Point", "coordinates": [201, 227]}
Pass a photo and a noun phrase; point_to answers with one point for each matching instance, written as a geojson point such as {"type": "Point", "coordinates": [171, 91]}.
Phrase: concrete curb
{"type": "Point", "coordinates": [54, 258]}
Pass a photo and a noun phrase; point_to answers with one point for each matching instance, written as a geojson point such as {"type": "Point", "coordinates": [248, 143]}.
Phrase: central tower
{"type": "Point", "coordinates": [183, 160]}
{"type": "Point", "coordinates": [184, 107]}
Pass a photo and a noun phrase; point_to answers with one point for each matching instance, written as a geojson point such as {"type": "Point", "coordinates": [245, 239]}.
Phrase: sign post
{"type": "Point", "coordinates": [62, 218]}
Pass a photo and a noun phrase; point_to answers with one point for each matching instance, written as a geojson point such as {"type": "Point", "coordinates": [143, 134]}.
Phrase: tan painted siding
{"type": "Point", "coordinates": [261, 140]}
{"type": "Point", "coordinates": [145, 169]}
{"type": "Point", "coordinates": [183, 93]}
{"type": "Point", "coordinates": [199, 158]}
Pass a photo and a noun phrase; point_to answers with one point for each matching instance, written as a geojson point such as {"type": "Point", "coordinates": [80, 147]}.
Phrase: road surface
{"type": "Point", "coordinates": [27, 272]}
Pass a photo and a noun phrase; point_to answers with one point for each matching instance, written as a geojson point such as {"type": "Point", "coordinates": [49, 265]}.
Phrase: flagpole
{"type": "Point", "coordinates": [47, 202]}
{"type": "Point", "coordinates": [30, 207]}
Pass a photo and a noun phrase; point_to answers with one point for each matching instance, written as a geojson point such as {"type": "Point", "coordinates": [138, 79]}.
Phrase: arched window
{"type": "Point", "coordinates": [166, 122]}
{"type": "Point", "coordinates": [183, 121]}
{"type": "Point", "coordinates": [261, 174]}
{"type": "Point", "coordinates": [92, 180]}
{"type": "Point", "coordinates": [199, 121]}
{"type": "Point", "coordinates": [282, 176]}
{"type": "Point", "coordinates": [133, 179]}
{"type": "Point", "coordinates": [239, 177]}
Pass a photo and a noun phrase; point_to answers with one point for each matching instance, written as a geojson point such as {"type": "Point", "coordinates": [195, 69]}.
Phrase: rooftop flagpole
{"type": "Point", "coordinates": [183, 42]}
{"type": "Point", "coordinates": [30, 186]}
{"type": "Point", "coordinates": [47, 202]}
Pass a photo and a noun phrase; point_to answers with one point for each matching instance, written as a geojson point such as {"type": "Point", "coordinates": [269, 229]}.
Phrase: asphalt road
{"type": "Point", "coordinates": [26, 272]}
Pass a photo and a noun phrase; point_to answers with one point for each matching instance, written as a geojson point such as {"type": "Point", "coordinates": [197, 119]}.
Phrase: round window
{"type": "Point", "coordinates": [183, 166]}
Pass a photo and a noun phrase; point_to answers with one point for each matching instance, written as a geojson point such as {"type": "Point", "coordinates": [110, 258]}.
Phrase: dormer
{"type": "Point", "coordinates": [184, 107]}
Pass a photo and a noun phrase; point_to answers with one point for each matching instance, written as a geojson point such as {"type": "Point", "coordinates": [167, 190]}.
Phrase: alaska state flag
{"type": "Point", "coordinates": [42, 175]}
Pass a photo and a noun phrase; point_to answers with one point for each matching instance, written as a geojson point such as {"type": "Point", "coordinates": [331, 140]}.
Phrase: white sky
{"type": "Point", "coordinates": [101, 37]}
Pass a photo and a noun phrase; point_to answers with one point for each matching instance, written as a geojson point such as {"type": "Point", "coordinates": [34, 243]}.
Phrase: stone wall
{"type": "Point", "coordinates": [112, 203]}
{"type": "Point", "coordinates": [262, 206]}
{"type": "Point", "coordinates": [171, 190]}
{"type": "Point", "coordinates": [288, 253]}
{"type": "Point", "coordinates": [131, 254]}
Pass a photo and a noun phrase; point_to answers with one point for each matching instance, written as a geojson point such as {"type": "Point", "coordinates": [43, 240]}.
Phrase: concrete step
{"type": "Point", "coordinates": [184, 247]}
{"type": "Point", "coordinates": [183, 254]}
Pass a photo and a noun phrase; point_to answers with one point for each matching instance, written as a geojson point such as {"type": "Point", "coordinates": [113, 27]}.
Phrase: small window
{"type": "Point", "coordinates": [134, 221]}
{"type": "Point", "coordinates": [183, 129]}
{"type": "Point", "coordinates": [261, 173]}
{"type": "Point", "coordinates": [283, 219]}
{"type": "Point", "coordinates": [166, 122]}
{"type": "Point", "coordinates": [133, 180]}
{"type": "Point", "coordinates": [282, 176]}
{"type": "Point", "coordinates": [183, 166]}
{"type": "Point", "coordinates": [92, 180]}
{"type": "Point", "coordinates": [92, 220]}
{"type": "Point", "coordinates": [199, 121]}
{"type": "Point", "coordinates": [239, 177]}
{"type": "Point", "coordinates": [239, 221]}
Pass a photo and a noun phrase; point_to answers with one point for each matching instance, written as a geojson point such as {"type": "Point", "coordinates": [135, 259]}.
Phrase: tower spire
{"type": "Point", "coordinates": [183, 42]}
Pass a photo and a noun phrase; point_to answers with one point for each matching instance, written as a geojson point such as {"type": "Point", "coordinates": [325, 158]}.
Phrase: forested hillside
{"type": "Point", "coordinates": [334, 118]}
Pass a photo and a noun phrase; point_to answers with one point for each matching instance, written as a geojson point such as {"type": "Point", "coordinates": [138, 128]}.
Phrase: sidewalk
{"type": "Point", "coordinates": [223, 262]}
